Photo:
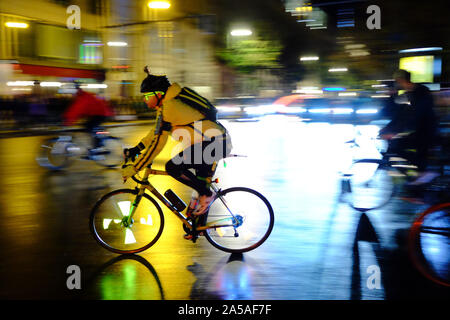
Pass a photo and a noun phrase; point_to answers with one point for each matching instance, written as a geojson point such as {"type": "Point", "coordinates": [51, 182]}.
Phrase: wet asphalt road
{"type": "Point", "coordinates": [319, 248]}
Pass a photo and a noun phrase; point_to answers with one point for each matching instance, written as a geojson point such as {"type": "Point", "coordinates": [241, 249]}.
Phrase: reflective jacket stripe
{"type": "Point", "coordinates": [194, 100]}
{"type": "Point", "coordinates": [143, 161]}
{"type": "Point", "coordinates": [196, 95]}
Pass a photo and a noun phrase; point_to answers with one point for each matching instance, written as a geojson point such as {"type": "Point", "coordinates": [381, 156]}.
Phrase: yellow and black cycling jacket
{"type": "Point", "coordinates": [175, 114]}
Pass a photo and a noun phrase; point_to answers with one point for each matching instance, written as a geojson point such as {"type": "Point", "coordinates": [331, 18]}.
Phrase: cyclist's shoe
{"type": "Point", "coordinates": [189, 236]}
{"type": "Point", "coordinates": [196, 221]}
{"type": "Point", "coordinates": [204, 204]}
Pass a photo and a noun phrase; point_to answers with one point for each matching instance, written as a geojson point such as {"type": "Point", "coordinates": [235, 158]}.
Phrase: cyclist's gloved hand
{"type": "Point", "coordinates": [132, 153]}
{"type": "Point", "coordinates": [128, 171]}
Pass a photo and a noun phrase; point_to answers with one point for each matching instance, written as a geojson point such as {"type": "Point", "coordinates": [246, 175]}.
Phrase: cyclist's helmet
{"type": "Point", "coordinates": [154, 83]}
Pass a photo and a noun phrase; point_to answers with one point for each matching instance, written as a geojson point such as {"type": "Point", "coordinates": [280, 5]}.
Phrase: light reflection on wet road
{"type": "Point", "coordinates": [319, 247]}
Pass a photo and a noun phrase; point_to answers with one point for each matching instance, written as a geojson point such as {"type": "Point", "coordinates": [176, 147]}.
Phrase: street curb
{"type": "Point", "coordinates": [45, 132]}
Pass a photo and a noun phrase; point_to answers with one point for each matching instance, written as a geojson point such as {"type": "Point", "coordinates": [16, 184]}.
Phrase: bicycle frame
{"type": "Point", "coordinates": [77, 149]}
{"type": "Point", "coordinates": [146, 185]}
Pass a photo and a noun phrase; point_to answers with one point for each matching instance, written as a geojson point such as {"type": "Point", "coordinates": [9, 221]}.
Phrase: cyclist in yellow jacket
{"type": "Point", "coordinates": [187, 116]}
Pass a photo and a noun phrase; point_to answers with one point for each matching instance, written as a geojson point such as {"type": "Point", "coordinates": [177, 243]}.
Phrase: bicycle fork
{"type": "Point", "coordinates": [128, 220]}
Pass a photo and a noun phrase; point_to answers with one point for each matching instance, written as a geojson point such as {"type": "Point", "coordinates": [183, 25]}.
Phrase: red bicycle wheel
{"type": "Point", "coordinates": [429, 244]}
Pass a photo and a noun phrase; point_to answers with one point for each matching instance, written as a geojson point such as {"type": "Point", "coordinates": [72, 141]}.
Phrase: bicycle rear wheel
{"type": "Point", "coordinates": [110, 154]}
{"type": "Point", "coordinates": [253, 220]}
{"type": "Point", "coordinates": [370, 184]}
{"type": "Point", "coordinates": [429, 244]}
{"type": "Point", "coordinates": [108, 228]}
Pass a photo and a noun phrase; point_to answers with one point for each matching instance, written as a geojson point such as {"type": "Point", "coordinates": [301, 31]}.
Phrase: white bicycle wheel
{"type": "Point", "coordinates": [245, 218]}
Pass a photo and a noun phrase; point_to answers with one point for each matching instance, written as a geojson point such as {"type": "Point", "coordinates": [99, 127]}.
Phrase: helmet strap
{"type": "Point", "coordinates": [158, 99]}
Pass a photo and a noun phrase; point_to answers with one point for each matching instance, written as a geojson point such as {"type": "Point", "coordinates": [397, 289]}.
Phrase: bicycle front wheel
{"type": "Point", "coordinates": [111, 154]}
{"type": "Point", "coordinates": [429, 244]}
{"type": "Point", "coordinates": [371, 184]}
{"type": "Point", "coordinates": [244, 220]}
{"type": "Point", "coordinates": [107, 222]}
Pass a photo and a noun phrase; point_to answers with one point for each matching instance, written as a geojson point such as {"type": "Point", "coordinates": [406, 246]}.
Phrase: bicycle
{"type": "Point", "coordinates": [57, 153]}
{"type": "Point", "coordinates": [130, 220]}
{"type": "Point", "coordinates": [371, 183]}
{"type": "Point", "coordinates": [429, 235]}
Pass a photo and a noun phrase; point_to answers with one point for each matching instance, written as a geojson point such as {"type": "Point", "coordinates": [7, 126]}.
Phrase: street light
{"type": "Point", "coordinates": [117, 44]}
{"type": "Point", "coordinates": [21, 25]}
{"type": "Point", "coordinates": [94, 86]}
{"type": "Point", "coordinates": [347, 94]}
{"type": "Point", "coordinates": [337, 70]}
{"type": "Point", "coordinates": [420, 49]}
{"type": "Point", "coordinates": [159, 5]}
{"type": "Point", "coordinates": [309, 58]}
{"type": "Point", "coordinates": [50, 84]}
{"type": "Point", "coordinates": [241, 32]}
{"type": "Point", "coordinates": [19, 83]}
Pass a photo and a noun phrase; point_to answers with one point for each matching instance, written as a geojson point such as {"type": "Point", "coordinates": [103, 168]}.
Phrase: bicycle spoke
{"type": "Point", "coordinates": [226, 206]}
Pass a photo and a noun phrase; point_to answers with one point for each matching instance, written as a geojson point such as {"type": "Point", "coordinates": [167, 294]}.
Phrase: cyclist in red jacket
{"type": "Point", "coordinates": [95, 110]}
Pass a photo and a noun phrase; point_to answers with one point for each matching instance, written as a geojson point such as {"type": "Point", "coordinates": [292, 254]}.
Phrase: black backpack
{"type": "Point", "coordinates": [196, 101]}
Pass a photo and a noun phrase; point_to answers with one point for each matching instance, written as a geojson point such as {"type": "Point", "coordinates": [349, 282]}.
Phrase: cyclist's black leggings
{"type": "Point", "coordinates": [403, 147]}
{"type": "Point", "coordinates": [203, 169]}
{"type": "Point", "coordinates": [90, 125]}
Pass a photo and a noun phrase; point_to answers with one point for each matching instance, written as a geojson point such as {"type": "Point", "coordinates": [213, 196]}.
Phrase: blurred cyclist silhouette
{"type": "Point", "coordinates": [414, 125]}
{"type": "Point", "coordinates": [91, 108]}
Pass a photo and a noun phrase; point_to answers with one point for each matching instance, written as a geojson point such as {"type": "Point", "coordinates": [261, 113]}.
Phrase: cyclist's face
{"type": "Point", "coordinates": [401, 83]}
{"type": "Point", "coordinates": [153, 99]}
